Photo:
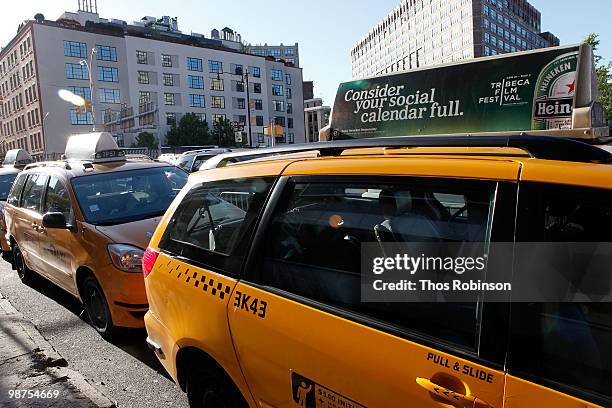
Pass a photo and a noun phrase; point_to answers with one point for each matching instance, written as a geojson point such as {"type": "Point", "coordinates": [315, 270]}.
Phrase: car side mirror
{"type": "Point", "coordinates": [54, 220]}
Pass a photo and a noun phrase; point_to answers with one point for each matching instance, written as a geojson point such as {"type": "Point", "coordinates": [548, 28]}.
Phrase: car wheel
{"type": "Point", "coordinates": [26, 275]}
{"type": "Point", "coordinates": [97, 307]}
{"type": "Point", "coordinates": [206, 389]}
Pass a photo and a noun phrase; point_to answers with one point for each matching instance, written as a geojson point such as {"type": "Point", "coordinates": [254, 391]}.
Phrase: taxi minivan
{"type": "Point", "coordinates": [84, 222]}
{"type": "Point", "coordinates": [253, 277]}
{"type": "Point", "coordinates": [14, 162]}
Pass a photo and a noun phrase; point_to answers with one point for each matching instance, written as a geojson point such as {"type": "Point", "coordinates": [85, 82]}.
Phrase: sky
{"type": "Point", "coordinates": [325, 30]}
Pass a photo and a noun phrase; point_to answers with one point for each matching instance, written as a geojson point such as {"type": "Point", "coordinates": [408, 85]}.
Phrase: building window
{"type": "Point", "coordinates": [166, 61]}
{"type": "Point", "coordinates": [290, 123]}
{"type": "Point", "coordinates": [240, 103]}
{"type": "Point", "coordinates": [195, 82]}
{"type": "Point", "coordinates": [144, 97]}
{"type": "Point", "coordinates": [277, 90]}
{"type": "Point", "coordinates": [256, 72]}
{"type": "Point", "coordinates": [278, 106]}
{"type": "Point", "coordinates": [169, 99]}
{"type": "Point", "coordinates": [275, 52]}
{"type": "Point", "coordinates": [82, 91]}
{"type": "Point", "coordinates": [194, 64]}
{"type": "Point", "coordinates": [215, 67]}
{"type": "Point", "coordinates": [218, 117]}
{"type": "Point", "coordinates": [218, 102]}
{"type": "Point", "coordinates": [106, 95]}
{"type": "Point", "coordinates": [277, 75]}
{"type": "Point", "coordinates": [141, 57]}
{"type": "Point", "coordinates": [289, 52]}
{"type": "Point", "coordinates": [260, 138]}
{"type": "Point", "coordinates": [258, 120]}
{"type": "Point", "coordinates": [196, 101]}
{"type": "Point", "coordinates": [170, 119]}
{"type": "Point", "coordinates": [216, 84]}
{"type": "Point", "coordinates": [168, 79]}
{"type": "Point", "coordinates": [239, 86]}
{"type": "Point", "coordinates": [290, 137]}
{"type": "Point", "coordinates": [288, 92]}
{"type": "Point", "coordinates": [85, 118]}
{"type": "Point", "coordinates": [143, 77]}
{"type": "Point", "coordinates": [108, 74]}
{"type": "Point", "coordinates": [289, 107]}
{"type": "Point", "coordinates": [256, 87]}
{"type": "Point", "coordinates": [258, 104]}
{"type": "Point", "coordinates": [279, 120]}
{"type": "Point", "coordinates": [76, 71]}
{"type": "Point", "coordinates": [201, 116]}
{"type": "Point", "coordinates": [288, 79]}
{"type": "Point", "coordinates": [106, 53]}
{"type": "Point", "coordinates": [237, 69]}
{"type": "Point", "coordinates": [75, 49]}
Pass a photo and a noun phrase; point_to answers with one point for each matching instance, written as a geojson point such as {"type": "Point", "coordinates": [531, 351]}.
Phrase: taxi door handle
{"type": "Point", "coordinates": [455, 398]}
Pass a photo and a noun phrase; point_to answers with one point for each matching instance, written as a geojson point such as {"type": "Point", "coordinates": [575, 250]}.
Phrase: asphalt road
{"type": "Point", "coordinates": [126, 371]}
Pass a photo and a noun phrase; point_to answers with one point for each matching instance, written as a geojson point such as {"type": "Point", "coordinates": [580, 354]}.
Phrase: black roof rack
{"type": "Point", "coordinates": [540, 147]}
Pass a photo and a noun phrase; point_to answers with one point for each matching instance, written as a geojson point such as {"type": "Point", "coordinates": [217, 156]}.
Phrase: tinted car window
{"type": "Point", "coordinates": [57, 199]}
{"type": "Point", "coordinates": [568, 343]}
{"type": "Point", "coordinates": [313, 247]}
{"type": "Point", "coordinates": [6, 182]}
{"type": "Point", "coordinates": [33, 192]}
{"type": "Point", "coordinates": [214, 221]}
{"type": "Point", "coordinates": [15, 194]}
{"type": "Point", "coordinates": [126, 196]}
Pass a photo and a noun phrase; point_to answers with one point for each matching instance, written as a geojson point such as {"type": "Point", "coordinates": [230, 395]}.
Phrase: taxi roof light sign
{"type": "Point", "coordinates": [17, 158]}
{"type": "Point", "coordinates": [96, 147]}
{"type": "Point", "coordinates": [549, 92]}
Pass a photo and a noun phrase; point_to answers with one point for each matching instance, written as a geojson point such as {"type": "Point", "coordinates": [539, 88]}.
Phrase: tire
{"type": "Point", "coordinates": [97, 308]}
{"type": "Point", "coordinates": [212, 389]}
{"type": "Point", "coordinates": [26, 275]}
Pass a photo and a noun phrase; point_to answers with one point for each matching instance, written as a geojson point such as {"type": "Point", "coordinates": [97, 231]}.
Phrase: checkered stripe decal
{"type": "Point", "coordinates": [198, 280]}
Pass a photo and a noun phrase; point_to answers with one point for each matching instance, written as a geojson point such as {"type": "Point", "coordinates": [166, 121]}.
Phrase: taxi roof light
{"type": "Point", "coordinates": [96, 147]}
{"type": "Point", "coordinates": [17, 158]}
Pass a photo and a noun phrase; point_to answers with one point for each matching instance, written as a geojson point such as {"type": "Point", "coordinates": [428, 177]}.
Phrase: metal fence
{"type": "Point", "coordinates": [240, 199]}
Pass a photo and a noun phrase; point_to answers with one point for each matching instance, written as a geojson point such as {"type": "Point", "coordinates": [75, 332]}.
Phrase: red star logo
{"type": "Point", "coordinates": [571, 86]}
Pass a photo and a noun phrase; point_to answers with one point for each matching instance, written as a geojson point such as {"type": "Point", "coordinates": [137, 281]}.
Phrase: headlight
{"type": "Point", "coordinates": [128, 258]}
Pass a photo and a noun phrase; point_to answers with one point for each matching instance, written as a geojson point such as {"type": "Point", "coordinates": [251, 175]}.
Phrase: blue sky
{"type": "Point", "coordinates": [325, 30]}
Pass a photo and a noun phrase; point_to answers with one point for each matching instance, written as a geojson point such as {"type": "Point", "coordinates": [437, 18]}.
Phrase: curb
{"type": "Point", "coordinates": [55, 363]}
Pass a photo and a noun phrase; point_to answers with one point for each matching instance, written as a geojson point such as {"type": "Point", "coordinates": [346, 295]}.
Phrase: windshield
{"type": "Point", "coordinates": [126, 196]}
{"type": "Point", "coordinates": [6, 182]}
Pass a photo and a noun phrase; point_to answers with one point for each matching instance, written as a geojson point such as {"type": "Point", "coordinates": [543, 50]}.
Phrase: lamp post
{"type": "Point", "coordinates": [244, 75]}
{"type": "Point", "coordinates": [91, 92]}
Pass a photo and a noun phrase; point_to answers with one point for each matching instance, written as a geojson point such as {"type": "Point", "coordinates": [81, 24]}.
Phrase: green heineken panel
{"type": "Point", "coordinates": [554, 93]}
{"type": "Point", "coordinates": [534, 91]}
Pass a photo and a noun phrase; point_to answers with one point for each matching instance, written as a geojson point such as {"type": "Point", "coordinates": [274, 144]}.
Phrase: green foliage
{"type": "Point", "coordinates": [223, 135]}
{"type": "Point", "coordinates": [604, 75]}
{"type": "Point", "coordinates": [191, 131]}
{"type": "Point", "coordinates": [146, 139]}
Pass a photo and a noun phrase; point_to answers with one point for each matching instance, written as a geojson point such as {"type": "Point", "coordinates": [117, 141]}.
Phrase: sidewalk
{"type": "Point", "coordinates": [30, 366]}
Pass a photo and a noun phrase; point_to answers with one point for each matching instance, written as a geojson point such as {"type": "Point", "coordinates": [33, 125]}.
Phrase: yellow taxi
{"type": "Point", "coordinates": [14, 162]}
{"type": "Point", "coordinates": [253, 277]}
{"type": "Point", "coordinates": [84, 222]}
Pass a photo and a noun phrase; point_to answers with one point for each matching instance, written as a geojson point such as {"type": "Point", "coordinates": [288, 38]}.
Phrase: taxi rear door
{"type": "Point", "coordinates": [301, 333]}
{"type": "Point", "coordinates": [28, 221]}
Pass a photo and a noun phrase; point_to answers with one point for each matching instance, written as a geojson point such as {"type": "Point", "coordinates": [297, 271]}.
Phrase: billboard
{"type": "Point", "coordinates": [519, 92]}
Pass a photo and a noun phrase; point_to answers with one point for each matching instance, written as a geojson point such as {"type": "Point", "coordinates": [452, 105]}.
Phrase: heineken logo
{"type": "Point", "coordinates": [554, 108]}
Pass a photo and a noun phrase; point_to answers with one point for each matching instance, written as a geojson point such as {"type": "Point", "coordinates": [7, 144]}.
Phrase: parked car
{"type": "Point", "coordinates": [13, 164]}
{"type": "Point", "coordinates": [190, 161]}
{"type": "Point", "coordinates": [84, 222]}
{"type": "Point", "coordinates": [253, 277]}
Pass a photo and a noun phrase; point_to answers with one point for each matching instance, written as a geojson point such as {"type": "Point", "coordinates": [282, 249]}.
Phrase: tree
{"type": "Point", "coordinates": [603, 73]}
{"type": "Point", "coordinates": [146, 139]}
{"type": "Point", "coordinates": [191, 131]}
{"type": "Point", "coordinates": [223, 134]}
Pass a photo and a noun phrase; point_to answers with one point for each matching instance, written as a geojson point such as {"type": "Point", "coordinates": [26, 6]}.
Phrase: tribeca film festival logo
{"type": "Point", "coordinates": [424, 273]}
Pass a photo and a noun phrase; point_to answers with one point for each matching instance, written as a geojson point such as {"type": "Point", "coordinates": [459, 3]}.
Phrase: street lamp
{"type": "Point", "coordinates": [84, 63]}
{"type": "Point", "coordinates": [244, 75]}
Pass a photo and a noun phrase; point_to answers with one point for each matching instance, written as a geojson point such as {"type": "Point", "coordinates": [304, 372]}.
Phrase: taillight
{"type": "Point", "coordinates": [148, 261]}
